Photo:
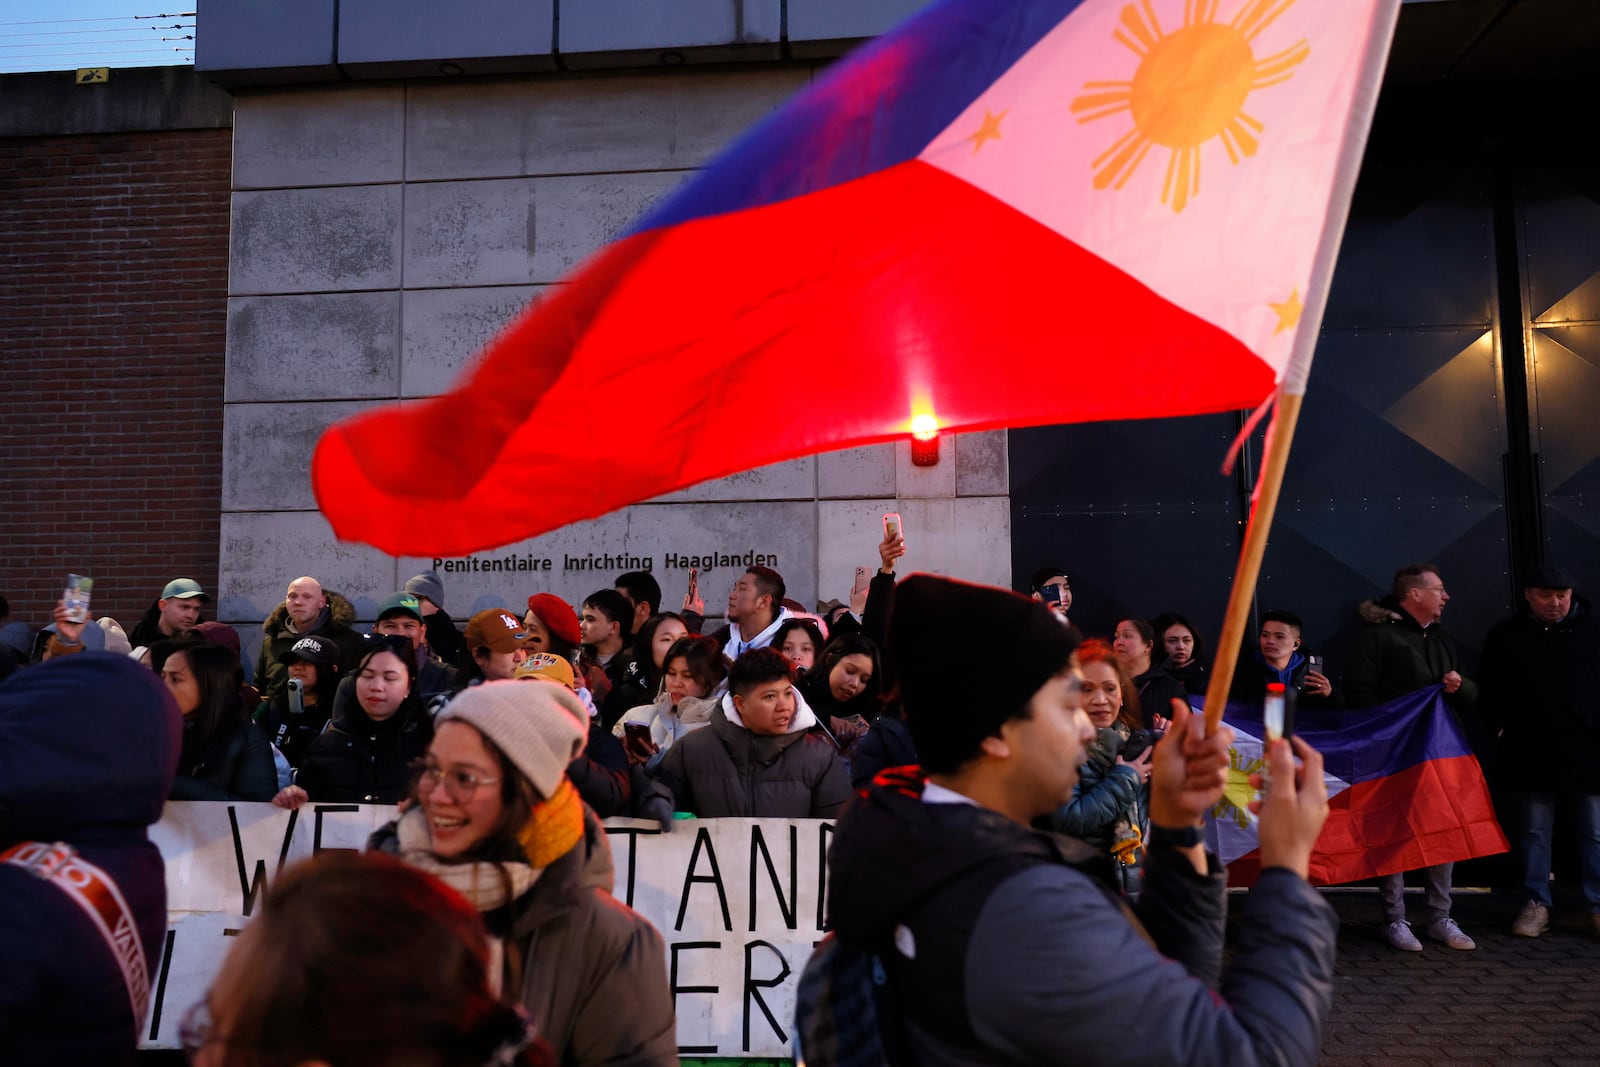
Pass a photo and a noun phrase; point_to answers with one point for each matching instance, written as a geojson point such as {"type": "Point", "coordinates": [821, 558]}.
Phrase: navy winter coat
{"type": "Point", "coordinates": [88, 748]}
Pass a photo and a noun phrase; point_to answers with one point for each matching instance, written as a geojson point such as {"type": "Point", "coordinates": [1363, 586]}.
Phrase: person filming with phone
{"type": "Point", "coordinates": [1279, 658]}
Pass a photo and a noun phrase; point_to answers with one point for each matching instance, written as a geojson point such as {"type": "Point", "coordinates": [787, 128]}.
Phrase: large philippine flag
{"type": "Point", "coordinates": [1404, 791]}
{"type": "Point", "coordinates": [1004, 213]}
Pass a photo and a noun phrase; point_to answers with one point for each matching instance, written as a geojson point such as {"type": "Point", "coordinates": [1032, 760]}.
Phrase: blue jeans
{"type": "Point", "coordinates": [1538, 822]}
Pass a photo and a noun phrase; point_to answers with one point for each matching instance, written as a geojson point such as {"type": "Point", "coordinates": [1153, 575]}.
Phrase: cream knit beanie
{"type": "Point", "coordinates": [540, 727]}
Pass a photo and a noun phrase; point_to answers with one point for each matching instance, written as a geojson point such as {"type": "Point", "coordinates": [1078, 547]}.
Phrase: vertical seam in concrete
{"type": "Point", "coordinates": [816, 526]}
{"type": "Point", "coordinates": [400, 295]}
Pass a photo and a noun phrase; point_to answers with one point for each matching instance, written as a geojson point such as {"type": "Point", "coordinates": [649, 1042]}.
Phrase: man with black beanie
{"type": "Point", "coordinates": [1004, 944]}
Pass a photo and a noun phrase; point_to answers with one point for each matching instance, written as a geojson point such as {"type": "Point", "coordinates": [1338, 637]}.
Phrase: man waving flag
{"type": "Point", "coordinates": [1141, 196]}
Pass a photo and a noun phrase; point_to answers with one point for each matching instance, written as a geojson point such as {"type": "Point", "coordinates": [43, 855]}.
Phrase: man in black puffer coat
{"type": "Point", "coordinates": [88, 748]}
{"type": "Point", "coordinates": [1540, 691]}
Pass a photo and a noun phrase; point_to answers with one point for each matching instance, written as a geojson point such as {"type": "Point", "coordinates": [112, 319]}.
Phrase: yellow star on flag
{"type": "Point", "coordinates": [989, 130]}
{"type": "Point", "coordinates": [1288, 312]}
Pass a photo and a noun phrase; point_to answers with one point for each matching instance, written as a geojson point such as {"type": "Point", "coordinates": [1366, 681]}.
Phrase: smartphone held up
{"type": "Point", "coordinates": [75, 597]}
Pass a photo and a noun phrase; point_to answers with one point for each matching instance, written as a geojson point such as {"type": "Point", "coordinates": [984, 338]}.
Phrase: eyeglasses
{"type": "Point", "coordinates": [458, 783]}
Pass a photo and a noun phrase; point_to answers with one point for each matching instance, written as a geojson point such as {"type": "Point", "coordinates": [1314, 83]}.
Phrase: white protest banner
{"type": "Point", "coordinates": [739, 903]}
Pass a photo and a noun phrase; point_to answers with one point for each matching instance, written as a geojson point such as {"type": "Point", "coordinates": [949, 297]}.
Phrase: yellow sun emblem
{"type": "Point", "coordinates": [1190, 86]}
{"type": "Point", "coordinates": [1238, 793]}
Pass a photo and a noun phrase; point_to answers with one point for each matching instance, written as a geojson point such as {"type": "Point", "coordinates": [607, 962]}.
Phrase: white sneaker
{"type": "Point", "coordinates": [1532, 920]}
{"type": "Point", "coordinates": [1399, 935]}
{"type": "Point", "coordinates": [1448, 933]}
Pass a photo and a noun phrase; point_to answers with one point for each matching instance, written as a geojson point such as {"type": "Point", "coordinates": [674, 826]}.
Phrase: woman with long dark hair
{"type": "Point", "coordinates": [359, 960]}
{"type": "Point", "coordinates": [496, 817]}
{"type": "Point", "coordinates": [843, 689]}
{"type": "Point", "coordinates": [1135, 646]}
{"type": "Point", "coordinates": [365, 754]}
{"type": "Point", "coordinates": [1181, 650]}
{"type": "Point", "coordinates": [801, 642]}
{"type": "Point", "coordinates": [641, 678]}
{"type": "Point", "coordinates": [225, 755]}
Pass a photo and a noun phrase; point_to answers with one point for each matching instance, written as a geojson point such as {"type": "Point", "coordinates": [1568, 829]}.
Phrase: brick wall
{"type": "Point", "coordinates": [113, 300]}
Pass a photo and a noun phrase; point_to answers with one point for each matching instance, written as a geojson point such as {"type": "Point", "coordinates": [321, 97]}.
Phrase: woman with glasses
{"type": "Point", "coordinates": [365, 754]}
{"type": "Point", "coordinates": [320, 975]}
{"type": "Point", "coordinates": [496, 817]}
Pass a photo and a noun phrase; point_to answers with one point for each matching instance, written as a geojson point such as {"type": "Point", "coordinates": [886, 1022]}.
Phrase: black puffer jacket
{"type": "Point", "coordinates": [1011, 951]}
{"type": "Point", "coordinates": [237, 766]}
{"type": "Point", "coordinates": [725, 770]}
{"type": "Point", "coordinates": [358, 761]}
{"type": "Point", "coordinates": [1394, 655]}
{"type": "Point", "coordinates": [1157, 689]}
{"type": "Point", "coordinates": [1540, 692]}
{"type": "Point", "coordinates": [291, 733]}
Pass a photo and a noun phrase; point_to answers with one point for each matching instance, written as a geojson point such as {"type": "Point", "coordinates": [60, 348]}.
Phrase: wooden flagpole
{"type": "Point", "coordinates": [1280, 435]}
{"type": "Point", "coordinates": [1292, 390]}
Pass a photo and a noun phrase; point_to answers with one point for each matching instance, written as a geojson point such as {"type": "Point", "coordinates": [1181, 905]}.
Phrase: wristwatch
{"type": "Point", "coordinates": [1174, 837]}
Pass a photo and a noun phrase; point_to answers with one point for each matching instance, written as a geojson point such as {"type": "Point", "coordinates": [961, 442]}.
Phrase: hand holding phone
{"type": "Point", "coordinates": [691, 599]}
{"type": "Point", "coordinates": [636, 741]}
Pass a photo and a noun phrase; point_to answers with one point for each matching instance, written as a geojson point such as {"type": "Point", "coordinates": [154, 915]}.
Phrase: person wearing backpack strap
{"type": "Point", "coordinates": [88, 749]}
{"type": "Point", "coordinates": [1001, 944]}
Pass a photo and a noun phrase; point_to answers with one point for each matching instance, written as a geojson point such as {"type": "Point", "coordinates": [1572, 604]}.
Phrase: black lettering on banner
{"type": "Point", "coordinates": [689, 946]}
{"type": "Point", "coordinates": [316, 835]}
{"type": "Point", "coordinates": [632, 834]}
{"type": "Point", "coordinates": [250, 888]}
{"type": "Point", "coordinates": [753, 987]}
{"type": "Point", "coordinates": [253, 886]}
{"type": "Point", "coordinates": [758, 843]}
{"type": "Point", "coordinates": [703, 840]}
{"type": "Point", "coordinates": [161, 983]}
{"type": "Point", "coordinates": [824, 839]}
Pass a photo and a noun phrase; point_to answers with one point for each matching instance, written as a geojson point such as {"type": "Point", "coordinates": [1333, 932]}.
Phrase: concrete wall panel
{"type": "Point", "coordinates": [446, 328]}
{"type": "Point", "coordinates": [668, 536]}
{"type": "Point", "coordinates": [266, 453]}
{"type": "Point", "coordinates": [967, 538]}
{"type": "Point", "coordinates": [981, 465]}
{"type": "Point", "coordinates": [935, 481]}
{"type": "Point", "coordinates": [315, 240]}
{"type": "Point", "coordinates": [331, 136]}
{"type": "Point", "coordinates": [623, 123]}
{"type": "Point", "coordinates": [263, 551]}
{"type": "Point", "coordinates": [794, 479]}
{"type": "Point", "coordinates": [328, 346]}
{"type": "Point", "coordinates": [866, 471]}
{"type": "Point", "coordinates": [517, 231]}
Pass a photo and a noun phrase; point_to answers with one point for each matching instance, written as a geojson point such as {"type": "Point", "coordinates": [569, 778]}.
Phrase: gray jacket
{"type": "Point", "coordinates": [594, 971]}
{"type": "Point", "coordinates": [725, 770]}
{"type": "Point", "coordinates": [1002, 947]}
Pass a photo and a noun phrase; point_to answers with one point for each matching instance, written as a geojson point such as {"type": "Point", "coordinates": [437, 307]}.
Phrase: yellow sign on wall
{"type": "Point", "coordinates": [93, 75]}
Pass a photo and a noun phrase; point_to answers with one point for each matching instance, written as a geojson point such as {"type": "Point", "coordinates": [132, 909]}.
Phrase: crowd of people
{"type": "Point", "coordinates": [506, 740]}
